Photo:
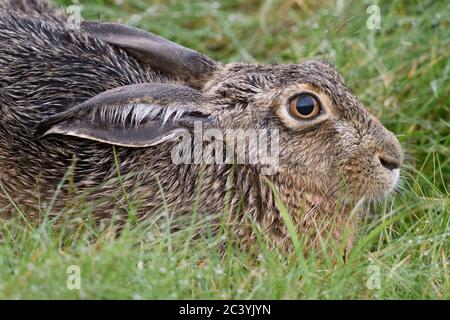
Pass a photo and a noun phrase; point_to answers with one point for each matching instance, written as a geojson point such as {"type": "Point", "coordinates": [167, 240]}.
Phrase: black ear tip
{"type": "Point", "coordinates": [41, 128]}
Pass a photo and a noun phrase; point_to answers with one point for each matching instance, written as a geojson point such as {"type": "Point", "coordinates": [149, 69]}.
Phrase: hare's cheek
{"type": "Point", "coordinates": [304, 155]}
{"type": "Point", "coordinates": [358, 174]}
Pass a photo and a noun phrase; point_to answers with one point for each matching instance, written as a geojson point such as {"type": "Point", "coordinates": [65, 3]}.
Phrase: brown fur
{"type": "Point", "coordinates": [45, 69]}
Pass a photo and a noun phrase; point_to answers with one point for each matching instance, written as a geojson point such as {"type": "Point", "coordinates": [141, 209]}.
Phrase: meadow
{"type": "Point", "coordinates": [401, 73]}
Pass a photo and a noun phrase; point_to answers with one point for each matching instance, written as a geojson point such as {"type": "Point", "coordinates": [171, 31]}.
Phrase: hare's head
{"type": "Point", "coordinates": [327, 139]}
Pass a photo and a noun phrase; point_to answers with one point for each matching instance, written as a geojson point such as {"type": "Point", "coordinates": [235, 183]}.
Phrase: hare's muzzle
{"type": "Point", "coordinates": [391, 156]}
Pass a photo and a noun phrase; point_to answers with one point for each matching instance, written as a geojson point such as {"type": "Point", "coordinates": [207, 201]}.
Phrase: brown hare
{"type": "Point", "coordinates": [107, 98]}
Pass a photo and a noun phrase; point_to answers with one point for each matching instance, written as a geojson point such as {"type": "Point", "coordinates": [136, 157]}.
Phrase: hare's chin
{"type": "Point", "coordinates": [390, 188]}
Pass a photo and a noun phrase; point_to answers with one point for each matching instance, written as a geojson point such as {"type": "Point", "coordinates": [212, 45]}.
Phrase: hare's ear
{"type": "Point", "coordinates": [138, 116]}
{"type": "Point", "coordinates": [161, 54]}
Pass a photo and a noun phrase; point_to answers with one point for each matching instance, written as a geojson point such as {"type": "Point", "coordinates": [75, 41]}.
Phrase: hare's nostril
{"type": "Point", "coordinates": [389, 164]}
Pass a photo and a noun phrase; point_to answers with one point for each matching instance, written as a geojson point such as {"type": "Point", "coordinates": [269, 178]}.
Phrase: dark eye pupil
{"type": "Point", "coordinates": [305, 105]}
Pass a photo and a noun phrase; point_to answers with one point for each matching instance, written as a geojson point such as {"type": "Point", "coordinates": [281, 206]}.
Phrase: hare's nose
{"type": "Point", "coordinates": [389, 163]}
{"type": "Point", "coordinates": [391, 153]}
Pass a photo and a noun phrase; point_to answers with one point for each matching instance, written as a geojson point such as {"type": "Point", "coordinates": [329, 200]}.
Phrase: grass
{"type": "Point", "coordinates": [401, 72]}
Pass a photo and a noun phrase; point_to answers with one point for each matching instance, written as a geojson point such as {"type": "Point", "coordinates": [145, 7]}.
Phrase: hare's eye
{"type": "Point", "coordinates": [304, 106]}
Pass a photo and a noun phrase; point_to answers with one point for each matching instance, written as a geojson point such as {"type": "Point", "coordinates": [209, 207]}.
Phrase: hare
{"type": "Point", "coordinates": [112, 104]}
